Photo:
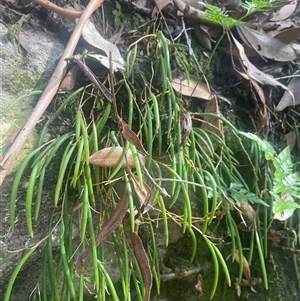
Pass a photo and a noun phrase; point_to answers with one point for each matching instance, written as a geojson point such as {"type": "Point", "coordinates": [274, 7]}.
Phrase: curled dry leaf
{"type": "Point", "coordinates": [246, 268]}
{"type": "Point", "coordinates": [111, 156]}
{"type": "Point", "coordinates": [192, 88]}
{"type": "Point", "coordinates": [144, 193]}
{"type": "Point", "coordinates": [143, 261]}
{"type": "Point", "coordinates": [287, 99]}
{"type": "Point", "coordinates": [203, 37]}
{"type": "Point", "coordinates": [93, 37]}
{"type": "Point", "coordinates": [130, 136]}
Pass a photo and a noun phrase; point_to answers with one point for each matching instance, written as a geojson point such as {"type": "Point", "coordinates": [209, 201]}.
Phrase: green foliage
{"type": "Point", "coordinates": [217, 15]}
{"type": "Point", "coordinates": [204, 169]}
{"type": "Point", "coordinates": [238, 193]}
{"type": "Point", "coordinates": [285, 181]}
{"type": "Point", "coordinates": [259, 5]}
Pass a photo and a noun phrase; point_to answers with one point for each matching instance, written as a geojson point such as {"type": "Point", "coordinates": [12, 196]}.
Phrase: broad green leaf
{"type": "Point", "coordinates": [281, 206]}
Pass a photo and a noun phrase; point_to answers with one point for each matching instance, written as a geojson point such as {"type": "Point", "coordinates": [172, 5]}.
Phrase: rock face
{"type": "Point", "coordinates": [21, 73]}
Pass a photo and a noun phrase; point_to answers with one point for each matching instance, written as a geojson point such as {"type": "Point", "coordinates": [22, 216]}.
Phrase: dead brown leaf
{"type": "Point", "coordinates": [284, 12]}
{"type": "Point", "coordinates": [254, 73]}
{"type": "Point", "coordinates": [191, 88]}
{"type": "Point", "coordinates": [287, 99]}
{"type": "Point", "coordinates": [249, 72]}
{"type": "Point", "coordinates": [91, 35]}
{"type": "Point", "coordinates": [289, 35]}
{"type": "Point", "coordinates": [160, 4]}
{"type": "Point", "coordinates": [211, 123]}
{"type": "Point", "coordinates": [130, 136]}
{"type": "Point", "coordinates": [144, 193]}
{"type": "Point", "coordinates": [291, 139]}
{"type": "Point", "coordinates": [143, 261]}
{"type": "Point", "coordinates": [246, 268]}
{"type": "Point", "coordinates": [111, 156]}
{"type": "Point", "coordinates": [113, 222]}
{"type": "Point", "coordinates": [203, 37]}
{"type": "Point", "coordinates": [267, 46]}
{"type": "Point", "coordinates": [69, 80]}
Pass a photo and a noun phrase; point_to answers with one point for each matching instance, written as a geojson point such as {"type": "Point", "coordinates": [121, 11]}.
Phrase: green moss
{"type": "Point", "coordinates": [23, 81]}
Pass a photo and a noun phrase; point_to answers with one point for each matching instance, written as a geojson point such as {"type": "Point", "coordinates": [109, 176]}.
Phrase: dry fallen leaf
{"type": "Point", "coordinates": [192, 88]}
{"type": "Point", "coordinates": [144, 193]}
{"type": "Point", "coordinates": [246, 268]}
{"type": "Point", "coordinates": [143, 261]}
{"type": "Point", "coordinates": [211, 123]}
{"type": "Point", "coordinates": [159, 5]}
{"type": "Point", "coordinates": [130, 136]}
{"type": "Point", "coordinates": [291, 139]}
{"type": "Point", "coordinates": [287, 100]}
{"type": "Point", "coordinates": [289, 35]}
{"type": "Point", "coordinates": [113, 222]}
{"type": "Point", "coordinates": [69, 80]}
{"type": "Point", "coordinates": [203, 37]}
{"type": "Point", "coordinates": [111, 156]}
{"type": "Point", "coordinates": [253, 72]}
{"type": "Point", "coordinates": [267, 46]}
{"type": "Point", "coordinates": [104, 60]}
{"type": "Point", "coordinates": [284, 12]}
{"type": "Point", "coordinates": [93, 37]}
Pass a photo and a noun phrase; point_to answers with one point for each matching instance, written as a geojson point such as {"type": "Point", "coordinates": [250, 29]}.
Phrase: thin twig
{"type": "Point", "coordinates": [49, 91]}
{"type": "Point", "coordinates": [181, 181]}
{"type": "Point", "coordinates": [161, 190]}
{"type": "Point", "coordinates": [88, 72]}
{"type": "Point", "coordinates": [65, 13]}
